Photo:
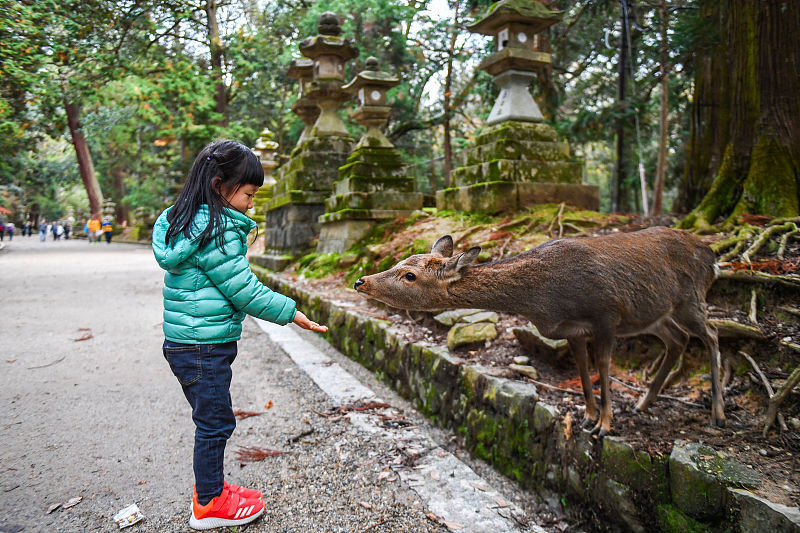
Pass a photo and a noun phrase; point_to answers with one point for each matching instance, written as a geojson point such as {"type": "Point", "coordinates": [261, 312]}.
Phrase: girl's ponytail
{"type": "Point", "coordinates": [235, 165]}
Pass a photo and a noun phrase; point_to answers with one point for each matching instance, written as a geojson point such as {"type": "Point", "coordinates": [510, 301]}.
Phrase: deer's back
{"type": "Point", "coordinates": [634, 277]}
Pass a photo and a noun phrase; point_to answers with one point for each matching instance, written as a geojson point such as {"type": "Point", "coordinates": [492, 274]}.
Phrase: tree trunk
{"type": "Point", "coordinates": [617, 196]}
{"type": "Point", "coordinates": [120, 210]}
{"type": "Point", "coordinates": [760, 166]}
{"type": "Point", "coordinates": [663, 129]}
{"type": "Point", "coordinates": [448, 86]}
{"type": "Point", "coordinates": [215, 44]}
{"type": "Point", "coordinates": [84, 158]}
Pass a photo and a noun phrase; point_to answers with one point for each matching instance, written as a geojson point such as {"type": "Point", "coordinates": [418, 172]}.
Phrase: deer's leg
{"type": "Point", "coordinates": [675, 340]}
{"type": "Point", "coordinates": [578, 347]}
{"type": "Point", "coordinates": [697, 324]}
{"type": "Point", "coordinates": [604, 346]}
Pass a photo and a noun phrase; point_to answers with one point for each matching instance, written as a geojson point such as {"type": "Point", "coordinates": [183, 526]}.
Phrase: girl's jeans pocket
{"type": "Point", "coordinates": [184, 360]}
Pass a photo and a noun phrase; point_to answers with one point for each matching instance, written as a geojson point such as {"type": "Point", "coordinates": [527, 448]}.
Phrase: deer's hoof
{"type": "Point", "coordinates": [586, 422]}
{"type": "Point", "coordinates": [602, 433]}
{"type": "Point", "coordinates": [719, 422]}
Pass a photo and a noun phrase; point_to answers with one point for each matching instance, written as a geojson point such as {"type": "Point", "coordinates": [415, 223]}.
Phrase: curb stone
{"type": "Point", "coordinates": [503, 422]}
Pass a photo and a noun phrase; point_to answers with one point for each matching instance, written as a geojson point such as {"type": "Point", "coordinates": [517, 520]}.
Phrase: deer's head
{"type": "Point", "coordinates": [420, 282]}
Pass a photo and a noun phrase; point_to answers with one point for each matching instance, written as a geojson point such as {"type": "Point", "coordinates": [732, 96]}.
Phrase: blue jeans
{"type": "Point", "coordinates": [204, 372]}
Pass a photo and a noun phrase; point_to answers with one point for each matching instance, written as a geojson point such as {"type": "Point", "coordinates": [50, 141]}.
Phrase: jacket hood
{"type": "Point", "coordinates": [169, 257]}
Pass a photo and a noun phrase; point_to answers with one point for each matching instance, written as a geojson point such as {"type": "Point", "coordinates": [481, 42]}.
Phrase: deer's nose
{"type": "Point", "coordinates": [358, 283]}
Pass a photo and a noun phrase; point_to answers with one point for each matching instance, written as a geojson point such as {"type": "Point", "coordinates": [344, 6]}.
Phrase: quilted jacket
{"type": "Point", "coordinates": [207, 293]}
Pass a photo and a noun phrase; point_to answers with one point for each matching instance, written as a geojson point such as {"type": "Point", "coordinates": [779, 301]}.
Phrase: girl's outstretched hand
{"type": "Point", "coordinates": [302, 320]}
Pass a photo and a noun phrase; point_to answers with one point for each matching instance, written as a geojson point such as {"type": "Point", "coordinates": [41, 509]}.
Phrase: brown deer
{"type": "Point", "coordinates": [652, 281]}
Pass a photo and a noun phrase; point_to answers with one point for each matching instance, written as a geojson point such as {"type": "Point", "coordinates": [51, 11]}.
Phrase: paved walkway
{"type": "Point", "coordinates": [91, 411]}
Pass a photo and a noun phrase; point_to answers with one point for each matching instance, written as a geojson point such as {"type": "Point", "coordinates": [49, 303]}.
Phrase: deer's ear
{"type": "Point", "coordinates": [452, 268]}
{"type": "Point", "coordinates": [443, 246]}
{"type": "Point", "coordinates": [468, 257]}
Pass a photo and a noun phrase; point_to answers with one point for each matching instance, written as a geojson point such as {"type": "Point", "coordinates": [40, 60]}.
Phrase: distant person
{"type": "Point", "coordinates": [2, 230]}
{"type": "Point", "coordinates": [94, 228]}
{"type": "Point", "coordinates": [43, 231]}
{"type": "Point", "coordinates": [10, 230]}
{"type": "Point", "coordinates": [208, 290]}
{"type": "Point", "coordinates": [26, 228]}
{"type": "Point", "coordinates": [67, 229]}
{"type": "Point", "coordinates": [59, 231]}
{"type": "Point", "coordinates": [107, 229]}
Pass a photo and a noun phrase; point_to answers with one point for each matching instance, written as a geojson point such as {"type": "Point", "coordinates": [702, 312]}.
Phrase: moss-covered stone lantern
{"type": "Point", "coordinates": [304, 107]}
{"type": "Point", "coordinates": [515, 26]}
{"type": "Point", "coordinates": [265, 149]}
{"type": "Point", "coordinates": [372, 185]}
{"type": "Point", "coordinates": [329, 51]}
{"type": "Point", "coordinates": [305, 181]}
{"type": "Point", "coordinates": [518, 161]}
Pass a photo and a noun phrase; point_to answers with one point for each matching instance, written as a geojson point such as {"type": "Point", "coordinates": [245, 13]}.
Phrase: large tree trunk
{"type": "Point", "coordinates": [121, 213]}
{"type": "Point", "coordinates": [618, 196]}
{"type": "Point", "coordinates": [760, 164]}
{"type": "Point", "coordinates": [215, 44]}
{"type": "Point", "coordinates": [84, 158]}
{"type": "Point", "coordinates": [663, 126]}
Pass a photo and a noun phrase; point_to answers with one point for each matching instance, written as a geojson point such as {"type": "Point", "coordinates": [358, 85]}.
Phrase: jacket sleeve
{"type": "Point", "coordinates": [231, 274]}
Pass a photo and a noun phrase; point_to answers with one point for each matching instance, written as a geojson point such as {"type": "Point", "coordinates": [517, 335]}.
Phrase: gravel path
{"type": "Point", "coordinates": [103, 418]}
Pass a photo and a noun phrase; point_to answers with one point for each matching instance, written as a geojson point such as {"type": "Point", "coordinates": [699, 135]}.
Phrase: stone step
{"type": "Point", "coordinates": [362, 184]}
{"type": "Point", "coordinates": [370, 200]}
{"type": "Point", "coordinates": [506, 196]}
{"type": "Point", "coordinates": [371, 170]}
{"type": "Point", "coordinates": [519, 171]}
{"type": "Point", "coordinates": [517, 150]}
{"type": "Point", "coordinates": [520, 131]}
{"type": "Point", "coordinates": [364, 214]}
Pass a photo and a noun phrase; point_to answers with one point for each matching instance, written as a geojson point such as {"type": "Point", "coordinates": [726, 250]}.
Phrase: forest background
{"type": "Point", "coordinates": [698, 99]}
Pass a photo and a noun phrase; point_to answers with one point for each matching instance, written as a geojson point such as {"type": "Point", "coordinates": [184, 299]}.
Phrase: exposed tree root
{"type": "Point", "coordinates": [776, 399]}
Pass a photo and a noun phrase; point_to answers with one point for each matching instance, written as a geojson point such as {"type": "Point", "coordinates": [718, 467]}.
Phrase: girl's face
{"type": "Point", "coordinates": [240, 198]}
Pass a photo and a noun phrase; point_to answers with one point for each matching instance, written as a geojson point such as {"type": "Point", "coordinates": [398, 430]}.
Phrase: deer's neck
{"type": "Point", "coordinates": [502, 286]}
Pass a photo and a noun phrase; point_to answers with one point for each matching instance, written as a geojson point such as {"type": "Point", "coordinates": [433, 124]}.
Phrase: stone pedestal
{"type": "Point", "coordinates": [514, 165]}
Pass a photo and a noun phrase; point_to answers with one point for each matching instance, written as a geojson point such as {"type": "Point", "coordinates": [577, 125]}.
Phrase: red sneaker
{"type": "Point", "coordinates": [247, 493]}
{"type": "Point", "coordinates": [227, 509]}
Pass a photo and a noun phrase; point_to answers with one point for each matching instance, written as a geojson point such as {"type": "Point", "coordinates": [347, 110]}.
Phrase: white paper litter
{"type": "Point", "coordinates": [128, 516]}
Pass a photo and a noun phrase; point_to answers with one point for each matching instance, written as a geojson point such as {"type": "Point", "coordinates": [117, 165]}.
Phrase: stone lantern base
{"type": "Point", "coordinates": [298, 199]}
{"type": "Point", "coordinates": [514, 165]}
{"type": "Point", "coordinates": [372, 187]}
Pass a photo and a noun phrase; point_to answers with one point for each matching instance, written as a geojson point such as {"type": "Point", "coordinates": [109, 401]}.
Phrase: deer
{"type": "Point", "coordinates": [653, 281]}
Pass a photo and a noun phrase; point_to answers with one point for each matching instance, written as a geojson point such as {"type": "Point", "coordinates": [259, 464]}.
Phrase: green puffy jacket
{"type": "Point", "coordinates": [207, 293]}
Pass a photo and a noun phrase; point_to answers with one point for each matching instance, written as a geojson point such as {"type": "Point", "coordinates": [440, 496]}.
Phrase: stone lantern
{"type": "Point", "coordinates": [518, 161]}
{"type": "Point", "coordinates": [372, 185]}
{"type": "Point", "coordinates": [329, 51]}
{"type": "Point", "coordinates": [303, 71]}
{"type": "Point", "coordinates": [265, 149]}
{"type": "Point", "coordinates": [515, 25]}
{"type": "Point", "coordinates": [370, 86]}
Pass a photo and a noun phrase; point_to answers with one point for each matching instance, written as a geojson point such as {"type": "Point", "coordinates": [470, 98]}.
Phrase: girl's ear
{"type": "Point", "coordinates": [216, 184]}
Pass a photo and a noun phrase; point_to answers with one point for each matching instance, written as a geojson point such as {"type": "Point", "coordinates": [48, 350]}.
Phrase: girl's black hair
{"type": "Point", "coordinates": [236, 165]}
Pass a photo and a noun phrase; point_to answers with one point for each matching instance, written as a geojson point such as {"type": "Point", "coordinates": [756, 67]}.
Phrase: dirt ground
{"type": "Point", "coordinates": [685, 416]}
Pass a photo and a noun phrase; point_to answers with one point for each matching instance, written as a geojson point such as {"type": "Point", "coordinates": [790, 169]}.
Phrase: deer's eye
{"type": "Point", "coordinates": [410, 277]}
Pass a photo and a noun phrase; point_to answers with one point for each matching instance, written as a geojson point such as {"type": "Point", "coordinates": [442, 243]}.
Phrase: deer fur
{"type": "Point", "coordinates": [652, 281]}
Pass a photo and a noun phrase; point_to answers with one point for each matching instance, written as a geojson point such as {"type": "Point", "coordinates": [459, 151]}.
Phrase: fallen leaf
{"type": "Point", "coordinates": [241, 415]}
{"type": "Point", "coordinates": [11, 360]}
{"type": "Point", "coordinates": [432, 516]}
{"type": "Point", "coordinates": [53, 507]}
{"type": "Point", "coordinates": [84, 337]}
{"type": "Point", "coordinates": [455, 526]}
{"type": "Point", "coordinates": [383, 475]}
{"type": "Point", "coordinates": [365, 505]}
{"type": "Point", "coordinates": [568, 425]}
{"type": "Point", "coordinates": [500, 501]}
{"type": "Point", "coordinates": [435, 475]}
{"type": "Point", "coordinates": [72, 502]}
{"type": "Point", "coordinates": [250, 454]}
{"type": "Point", "coordinates": [268, 405]}
{"type": "Point", "coordinates": [143, 482]}
{"type": "Point", "coordinates": [479, 487]}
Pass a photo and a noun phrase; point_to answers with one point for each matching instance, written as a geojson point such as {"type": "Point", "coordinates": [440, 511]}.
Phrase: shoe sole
{"type": "Point", "coordinates": [214, 522]}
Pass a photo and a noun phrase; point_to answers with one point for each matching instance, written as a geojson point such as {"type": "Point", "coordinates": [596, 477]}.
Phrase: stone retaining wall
{"type": "Point", "coordinates": [503, 422]}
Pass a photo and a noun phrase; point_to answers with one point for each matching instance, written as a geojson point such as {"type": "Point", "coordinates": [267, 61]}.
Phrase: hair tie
{"type": "Point", "coordinates": [208, 158]}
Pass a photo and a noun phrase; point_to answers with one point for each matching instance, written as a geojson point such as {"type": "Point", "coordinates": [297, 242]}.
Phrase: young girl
{"type": "Point", "coordinates": [208, 289]}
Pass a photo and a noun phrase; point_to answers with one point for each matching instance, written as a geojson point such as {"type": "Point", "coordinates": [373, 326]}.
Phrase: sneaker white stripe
{"type": "Point", "coordinates": [238, 512]}
{"type": "Point", "coordinates": [249, 510]}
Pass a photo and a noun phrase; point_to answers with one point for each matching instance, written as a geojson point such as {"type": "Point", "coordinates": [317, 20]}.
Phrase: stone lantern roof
{"type": "Point", "coordinates": [372, 77]}
{"type": "Point", "coordinates": [533, 14]}
{"type": "Point", "coordinates": [301, 69]}
{"type": "Point", "coordinates": [328, 42]}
